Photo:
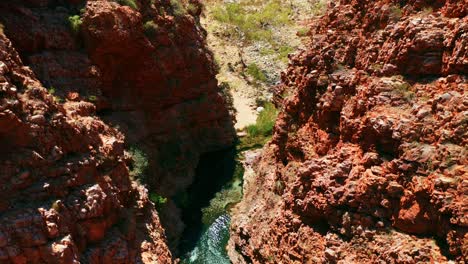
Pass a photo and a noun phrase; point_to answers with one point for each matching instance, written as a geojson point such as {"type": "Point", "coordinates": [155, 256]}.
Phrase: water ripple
{"type": "Point", "coordinates": [211, 248]}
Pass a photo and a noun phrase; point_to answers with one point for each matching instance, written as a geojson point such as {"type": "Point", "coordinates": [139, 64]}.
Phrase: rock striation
{"type": "Point", "coordinates": [101, 77]}
{"type": "Point", "coordinates": [368, 161]}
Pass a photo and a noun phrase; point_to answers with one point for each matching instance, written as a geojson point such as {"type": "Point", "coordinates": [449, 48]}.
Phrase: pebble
{"type": "Point", "coordinates": [330, 254]}
{"type": "Point", "coordinates": [3, 68]}
{"type": "Point", "coordinates": [38, 119]}
{"type": "Point", "coordinates": [445, 97]}
{"type": "Point", "coordinates": [338, 90]}
{"type": "Point", "coordinates": [423, 113]}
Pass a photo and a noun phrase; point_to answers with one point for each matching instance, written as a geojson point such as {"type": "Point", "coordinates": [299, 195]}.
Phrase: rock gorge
{"type": "Point", "coordinates": [367, 163]}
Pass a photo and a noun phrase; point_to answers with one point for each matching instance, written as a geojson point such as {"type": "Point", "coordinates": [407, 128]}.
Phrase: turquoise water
{"type": "Point", "coordinates": [217, 188]}
{"type": "Point", "coordinates": [211, 248]}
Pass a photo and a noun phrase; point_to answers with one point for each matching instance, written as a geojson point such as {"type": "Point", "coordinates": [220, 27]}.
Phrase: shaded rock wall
{"type": "Point", "coordinates": [368, 162]}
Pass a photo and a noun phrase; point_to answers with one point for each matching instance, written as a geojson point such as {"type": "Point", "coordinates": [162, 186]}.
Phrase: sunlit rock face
{"type": "Point", "coordinates": [370, 147]}
{"type": "Point", "coordinates": [100, 77]}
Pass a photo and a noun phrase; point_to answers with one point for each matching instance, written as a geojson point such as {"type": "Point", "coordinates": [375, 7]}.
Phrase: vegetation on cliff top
{"type": "Point", "coordinates": [251, 41]}
{"type": "Point", "coordinates": [252, 20]}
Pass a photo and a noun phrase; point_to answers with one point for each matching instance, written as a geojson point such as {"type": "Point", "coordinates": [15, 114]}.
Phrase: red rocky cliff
{"type": "Point", "coordinates": [101, 77]}
{"type": "Point", "coordinates": [143, 69]}
{"type": "Point", "coordinates": [66, 196]}
{"type": "Point", "coordinates": [368, 162]}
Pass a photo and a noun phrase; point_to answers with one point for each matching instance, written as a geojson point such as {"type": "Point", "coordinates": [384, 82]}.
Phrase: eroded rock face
{"type": "Point", "coordinates": [147, 70]}
{"type": "Point", "coordinates": [144, 70]}
{"type": "Point", "coordinates": [368, 162]}
{"type": "Point", "coordinates": [164, 75]}
{"type": "Point", "coordinates": [66, 195]}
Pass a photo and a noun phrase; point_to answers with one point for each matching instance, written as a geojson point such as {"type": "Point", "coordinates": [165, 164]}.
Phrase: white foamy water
{"type": "Point", "coordinates": [211, 248]}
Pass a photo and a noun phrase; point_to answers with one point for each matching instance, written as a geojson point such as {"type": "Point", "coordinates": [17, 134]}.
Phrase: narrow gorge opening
{"type": "Point", "coordinates": [249, 57]}
{"type": "Point", "coordinates": [205, 206]}
{"type": "Point", "coordinates": [214, 170]}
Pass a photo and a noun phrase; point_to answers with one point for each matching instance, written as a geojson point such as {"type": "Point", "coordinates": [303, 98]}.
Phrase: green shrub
{"type": "Point", "coordinates": [55, 205]}
{"type": "Point", "coordinates": [51, 90]}
{"type": "Point", "coordinates": [376, 67]}
{"type": "Point", "coordinates": [259, 133]}
{"type": "Point", "coordinates": [92, 98]}
{"type": "Point", "coordinates": [402, 87]}
{"type": "Point", "coordinates": [395, 13]}
{"type": "Point", "coordinates": [192, 9]}
{"type": "Point", "coordinates": [231, 13]}
{"type": "Point", "coordinates": [302, 32]}
{"type": "Point", "coordinates": [140, 163]}
{"type": "Point", "coordinates": [283, 53]}
{"type": "Point", "coordinates": [279, 187]}
{"type": "Point", "coordinates": [150, 29]}
{"type": "Point", "coordinates": [158, 200]}
{"type": "Point", "coordinates": [267, 51]}
{"type": "Point", "coordinates": [254, 71]}
{"type": "Point", "coordinates": [249, 21]}
{"type": "Point", "coordinates": [319, 7]}
{"type": "Point", "coordinates": [265, 122]}
{"type": "Point", "coordinates": [177, 8]}
{"type": "Point", "coordinates": [58, 99]}
{"type": "Point", "coordinates": [75, 23]}
{"type": "Point", "coordinates": [129, 3]}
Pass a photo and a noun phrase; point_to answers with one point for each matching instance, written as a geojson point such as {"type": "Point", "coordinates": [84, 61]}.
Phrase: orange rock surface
{"type": "Point", "coordinates": [368, 161]}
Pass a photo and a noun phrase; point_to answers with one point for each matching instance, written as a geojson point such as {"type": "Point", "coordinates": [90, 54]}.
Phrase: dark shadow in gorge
{"type": "Point", "coordinates": [214, 170]}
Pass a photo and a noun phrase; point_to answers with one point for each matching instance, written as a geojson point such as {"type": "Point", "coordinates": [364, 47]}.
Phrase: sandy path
{"type": "Point", "coordinates": [245, 114]}
{"type": "Point", "coordinates": [228, 57]}
{"type": "Point", "coordinates": [243, 93]}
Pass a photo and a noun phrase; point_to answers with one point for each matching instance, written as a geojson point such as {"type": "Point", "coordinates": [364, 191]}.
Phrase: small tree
{"type": "Point", "coordinates": [140, 163]}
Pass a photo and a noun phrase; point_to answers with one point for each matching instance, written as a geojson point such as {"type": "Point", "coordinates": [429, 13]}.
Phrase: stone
{"type": "Point", "coordinates": [38, 119]}
{"type": "Point", "coordinates": [394, 189]}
